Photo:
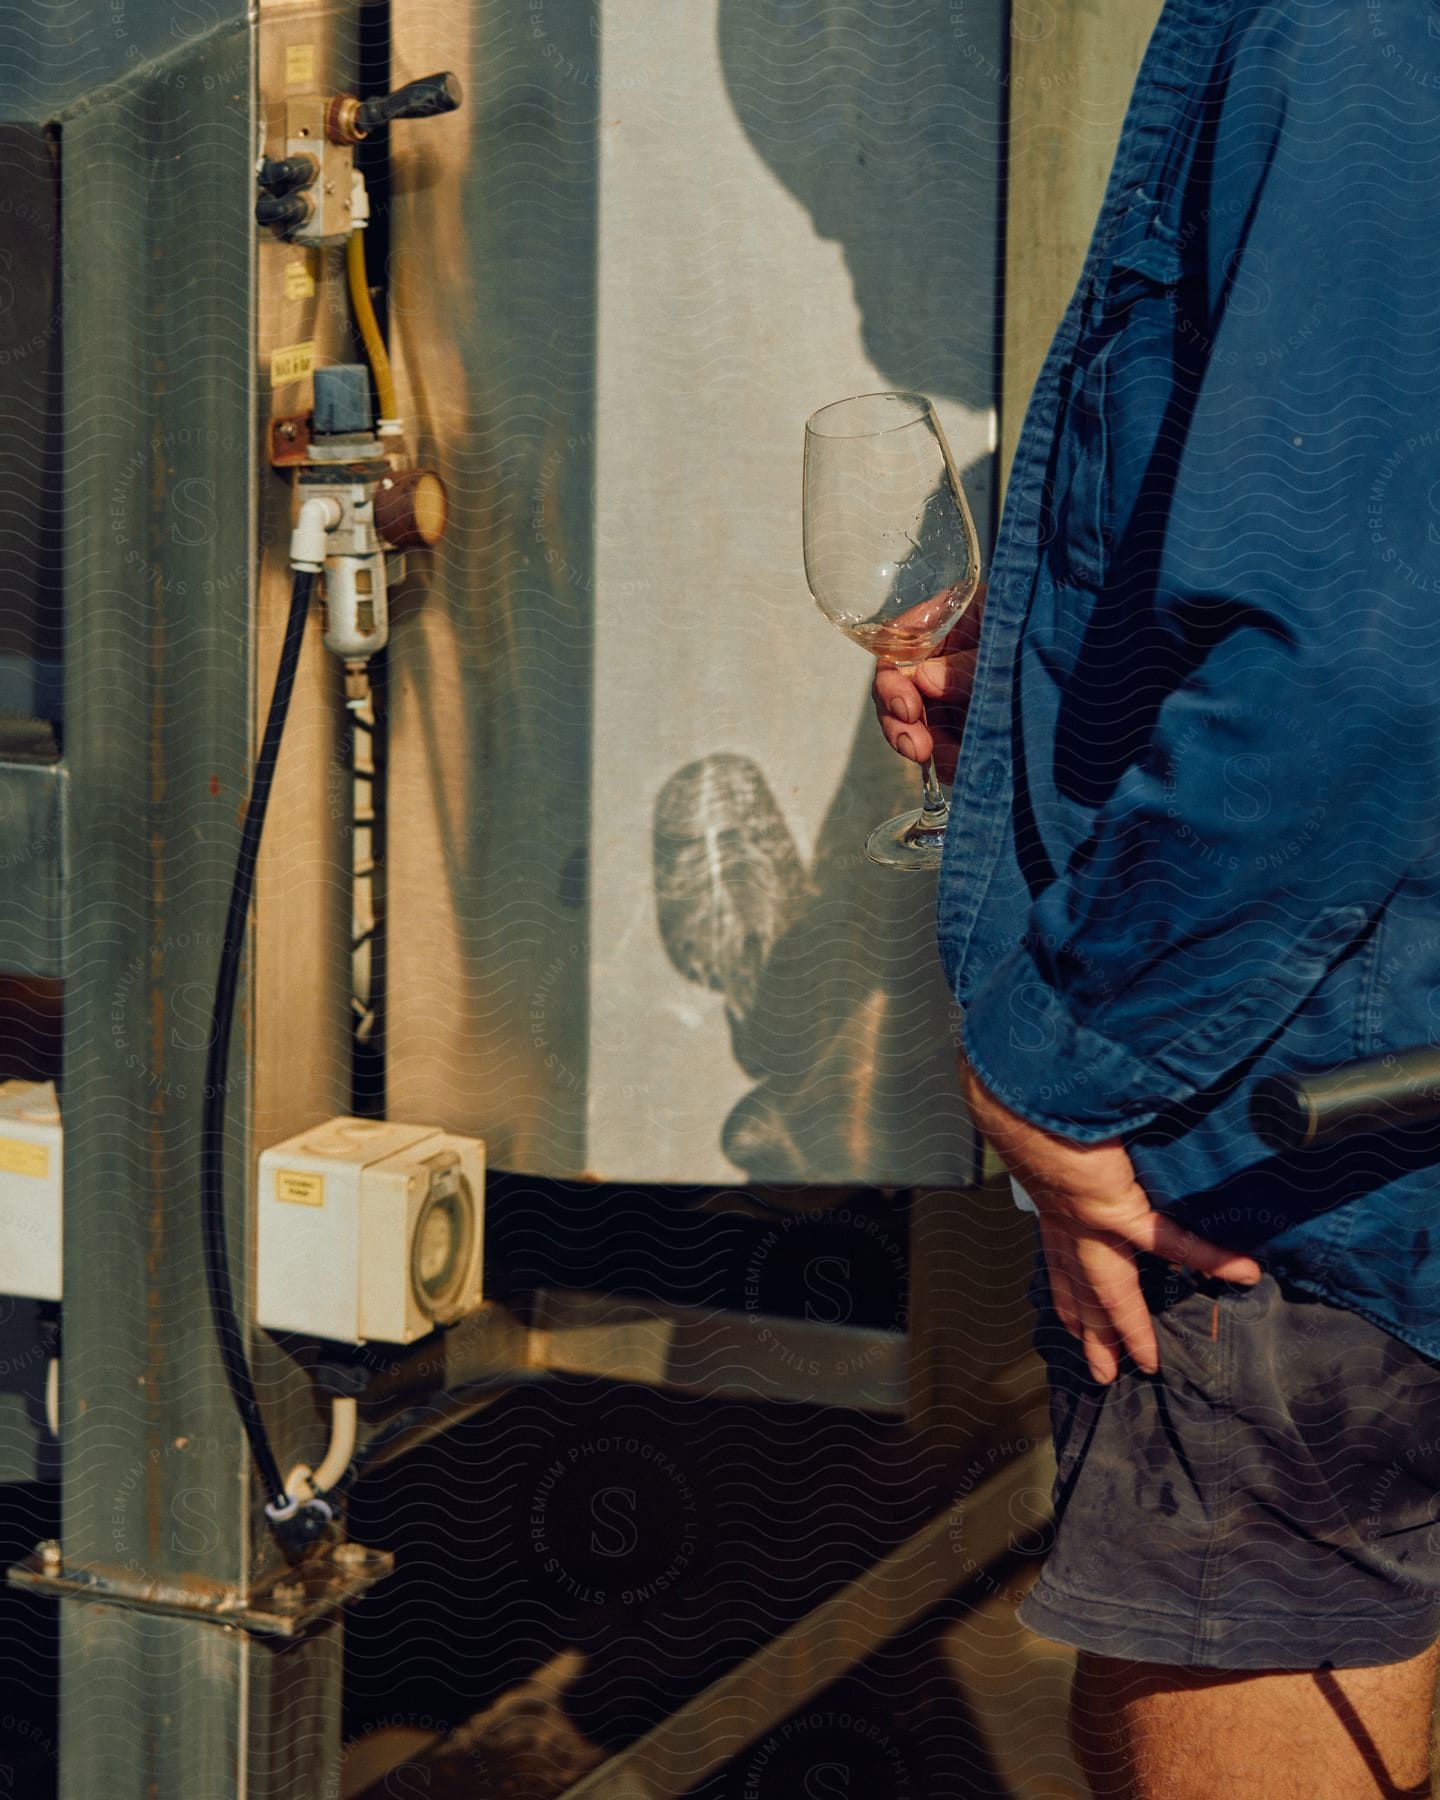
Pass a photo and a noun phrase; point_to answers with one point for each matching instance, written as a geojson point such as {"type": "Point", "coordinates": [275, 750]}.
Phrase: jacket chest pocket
{"type": "Point", "coordinates": [1115, 401]}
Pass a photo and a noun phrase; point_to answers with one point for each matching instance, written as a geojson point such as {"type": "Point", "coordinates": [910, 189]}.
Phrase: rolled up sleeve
{"type": "Point", "coordinates": [1290, 777]}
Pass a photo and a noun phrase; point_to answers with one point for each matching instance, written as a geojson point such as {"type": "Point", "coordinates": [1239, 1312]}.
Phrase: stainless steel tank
{"type": "Point", "coordinates": [632, 931]}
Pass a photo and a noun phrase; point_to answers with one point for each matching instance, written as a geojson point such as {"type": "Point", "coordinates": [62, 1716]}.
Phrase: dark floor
{"type": "Point", "coordinates": [663, 1537]}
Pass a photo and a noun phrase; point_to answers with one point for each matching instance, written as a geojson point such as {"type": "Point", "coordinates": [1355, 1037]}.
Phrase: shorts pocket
{"type": "Point", "coordinates": [1074, 1394]}
{"type": "Point", "coordinates": [1073, 1409]}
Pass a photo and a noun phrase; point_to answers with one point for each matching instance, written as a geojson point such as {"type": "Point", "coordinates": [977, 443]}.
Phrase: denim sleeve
{"type": "Point", "coordinates": [1291, 776]}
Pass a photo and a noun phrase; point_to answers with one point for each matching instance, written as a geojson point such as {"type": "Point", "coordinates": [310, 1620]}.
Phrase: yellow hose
{"type": "Point", "coordinates": [369, 325]}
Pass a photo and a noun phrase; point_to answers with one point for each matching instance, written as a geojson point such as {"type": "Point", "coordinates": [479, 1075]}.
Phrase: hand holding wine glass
{"type": "Point", "coordinates": [891, 558]}
{"type": "Point", "coordinates": [922, 710]}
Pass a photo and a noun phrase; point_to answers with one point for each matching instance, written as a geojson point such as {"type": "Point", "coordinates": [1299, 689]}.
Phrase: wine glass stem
{"type": "Point", "coordinates": [936, 808]}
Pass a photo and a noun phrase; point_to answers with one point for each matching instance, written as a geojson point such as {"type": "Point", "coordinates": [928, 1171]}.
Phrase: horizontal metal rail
{"type": "Point", "coordinates": [742, 1355]}
{"type": "Point", "coordinates": [678, 1349]}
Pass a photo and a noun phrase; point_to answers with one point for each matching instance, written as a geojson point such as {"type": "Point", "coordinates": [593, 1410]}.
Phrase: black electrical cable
{"type": "Point", "coordinates": [212, 1127]}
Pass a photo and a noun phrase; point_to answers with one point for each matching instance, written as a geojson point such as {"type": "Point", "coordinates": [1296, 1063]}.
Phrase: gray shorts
{"type": "Point", "coordinates": [1270, 1499]}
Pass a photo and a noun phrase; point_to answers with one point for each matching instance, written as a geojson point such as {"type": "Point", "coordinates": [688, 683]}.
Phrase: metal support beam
{"type": "Point", "coordinates": [172, 632]}
{"type": "Point", "coordinates": [733, 1712]}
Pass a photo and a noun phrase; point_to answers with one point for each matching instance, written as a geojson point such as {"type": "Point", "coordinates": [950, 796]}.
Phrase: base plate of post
{"type": "Point", "coordinates": [286, 1606]}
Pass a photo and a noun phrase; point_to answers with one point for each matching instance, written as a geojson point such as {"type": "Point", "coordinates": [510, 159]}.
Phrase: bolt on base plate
{"type": "Point", "coordinates": [286, 1607]}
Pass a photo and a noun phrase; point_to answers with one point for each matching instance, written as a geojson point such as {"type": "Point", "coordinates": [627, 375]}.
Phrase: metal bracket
{"type": "Point", "coordinates": [286, 1607]}
{"type": "Point", "coordinates": [289, 440]}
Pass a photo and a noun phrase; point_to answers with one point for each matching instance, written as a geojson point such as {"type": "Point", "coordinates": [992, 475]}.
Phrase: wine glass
{"type": "Point", "coordinates": [892, 558]}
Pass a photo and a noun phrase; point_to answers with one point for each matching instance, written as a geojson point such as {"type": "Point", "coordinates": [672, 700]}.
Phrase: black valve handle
{"type": "Point", "coordinates": [287, 212]}
{"type": "Point", "coordinates": [283, 174]}
{"type": "Point", "coordinates": [1298, 1112]}
{"type": "Point", "coordinates": [426, 98]}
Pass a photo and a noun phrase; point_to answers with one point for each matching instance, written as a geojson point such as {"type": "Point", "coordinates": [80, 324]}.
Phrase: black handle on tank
{"type": "Point", "coordinates": [422, 99]}
{"type": "Point", "coordinates": [1300, 1112]}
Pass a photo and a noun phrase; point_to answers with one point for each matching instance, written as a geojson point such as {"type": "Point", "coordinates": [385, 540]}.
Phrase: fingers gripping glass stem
{"type": "Point", "coordinates": [892, 559]}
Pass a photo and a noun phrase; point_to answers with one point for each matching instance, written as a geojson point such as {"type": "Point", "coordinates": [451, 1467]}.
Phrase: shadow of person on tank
{"type": "Point", "coordinates": [886, 124]}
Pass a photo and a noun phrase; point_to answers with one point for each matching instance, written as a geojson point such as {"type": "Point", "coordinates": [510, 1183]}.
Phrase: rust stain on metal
{"type": "Point", "coordinates": [189, 1583]}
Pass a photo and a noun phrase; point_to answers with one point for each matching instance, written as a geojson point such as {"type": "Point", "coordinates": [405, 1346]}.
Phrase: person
{"type": "Point", "coordinates": [1195, 841]}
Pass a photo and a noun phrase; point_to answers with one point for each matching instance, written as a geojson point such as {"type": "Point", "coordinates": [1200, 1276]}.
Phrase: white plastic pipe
{"type": "Point", "coordinates": [303, 1482]}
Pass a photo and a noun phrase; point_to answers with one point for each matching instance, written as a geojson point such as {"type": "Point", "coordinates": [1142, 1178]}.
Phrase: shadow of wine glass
{"type": "Point", "coordinates": [828, 973]}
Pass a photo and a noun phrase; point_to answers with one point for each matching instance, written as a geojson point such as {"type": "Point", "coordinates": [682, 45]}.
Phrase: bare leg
{"type": "Point", "coordinates": [1143, 1731]}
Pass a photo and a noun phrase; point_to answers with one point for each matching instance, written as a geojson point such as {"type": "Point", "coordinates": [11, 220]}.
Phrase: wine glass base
{"type": "Point", "coordinates": [908, 841]}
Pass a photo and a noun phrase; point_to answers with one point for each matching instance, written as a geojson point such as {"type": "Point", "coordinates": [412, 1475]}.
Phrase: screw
{"type": "Point", "coordinates": [51, 1556]}
{"type": "Point", "coordinates": [289, 431]}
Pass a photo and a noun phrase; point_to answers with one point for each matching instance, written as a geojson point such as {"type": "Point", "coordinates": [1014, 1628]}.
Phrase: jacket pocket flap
{"type": "Point", "coordinates": [1143, 245]}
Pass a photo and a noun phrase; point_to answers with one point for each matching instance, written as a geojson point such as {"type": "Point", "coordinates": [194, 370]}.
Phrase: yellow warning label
{"type": "Point", "coordinates": [299, 64]}
{"type": "Point", "coordinates": [17, 1157]}
{"type": "Point", "coordinates": [299, 282]}
{"type": "Point", "coordinates": [292, 363]}
{"type": "Point", "coordinates": [304, 1190]}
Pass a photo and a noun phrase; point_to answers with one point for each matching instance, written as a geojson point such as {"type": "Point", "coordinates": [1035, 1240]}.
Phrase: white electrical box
{"type": "Point", "coordinates": [31, 1143]}
{"type": "Point", "coordinates": [369, 1229]}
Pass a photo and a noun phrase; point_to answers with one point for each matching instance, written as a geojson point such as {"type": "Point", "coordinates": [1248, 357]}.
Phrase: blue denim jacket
{"type": "Point", "coordinates": [1196, 822]}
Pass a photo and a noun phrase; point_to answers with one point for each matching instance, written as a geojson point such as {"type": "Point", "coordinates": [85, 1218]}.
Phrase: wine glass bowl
{"type": "Point", "coordinates": [892, 559]}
